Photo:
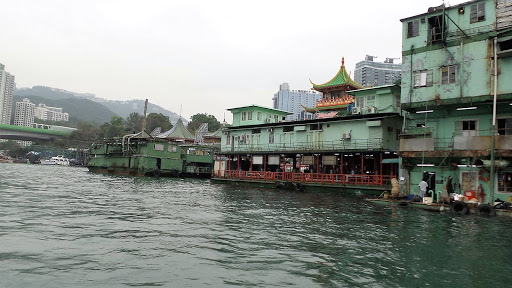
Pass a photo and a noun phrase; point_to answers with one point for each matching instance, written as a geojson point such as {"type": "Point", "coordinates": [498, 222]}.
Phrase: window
{"type": "Point", "coordinates": [171, 148]}
{"type": "Point", "coordinates": [228, 139]}
{"type": "Point", "coordinates": [469, 128]}
{"type": "Point", "coordinates": [477, 13]}
{"type": "Point", "coordinates": [276, 118]}
{"type": "Point", "coordinates": [256, 131]}
{"type": "Point", "coordinates": [448, 74]}
{"type": "Point", "coordinates": [288, 129]}
{"type": "Point", "coordinates": [437, 29]}
{"type": "Point", "coordinates": [365, 101]}
{"type": "Point", "coordinates": [413, 28]}
{"type": "Point", "coordinates": [244, 116]}
{"type": "Point", "coordinates": [423, 78]}
{"type": "Point", "coordinates": [271, 138]}
{"type": "Point", "coordinates": [249, 115]}
{"type": "Point", "coordinates": [315, 126]}
{"type": "Point", "coordinates": [360, 102]}
{"type": "Point", "coordinates": [259, 116]}
{"type": "Point", "coordinates": [505, 126]}
{"type": "Point", "coordinates": [158, 147]}
{"type": "Point", "coordinates": [505, 182]}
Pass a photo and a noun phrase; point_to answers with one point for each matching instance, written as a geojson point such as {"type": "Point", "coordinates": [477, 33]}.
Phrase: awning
{"type": "Point", "coordinates": [390, 160]}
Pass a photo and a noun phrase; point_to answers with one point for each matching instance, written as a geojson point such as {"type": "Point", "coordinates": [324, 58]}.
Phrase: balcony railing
{"type": "Point", "coordinates": [337, 145]}
{"type": "Point", "coordinates": [320, 178]}
{"type": "Point", "coordinates": [461, 141]}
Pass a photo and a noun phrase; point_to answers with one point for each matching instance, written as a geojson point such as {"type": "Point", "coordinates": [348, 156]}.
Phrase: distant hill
{"type": "Point", "coordinates": [51, 93]}
{"type": "Point", "coordinates": [78, 108]}
{"type": "Point", "coordinates": [124, 108]}
{"type": "Point", "coordinates": [120, 108]}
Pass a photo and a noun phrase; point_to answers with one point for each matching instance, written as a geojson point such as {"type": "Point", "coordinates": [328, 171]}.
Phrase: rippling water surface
{"type": "Point", "coordinates": [66, 227]}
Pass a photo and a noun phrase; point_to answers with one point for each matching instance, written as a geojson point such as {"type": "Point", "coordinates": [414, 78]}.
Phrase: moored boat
{"type": "Point", "coordinates": [142, 155]}
{"type": "Point", "coordinates": [169, 154]}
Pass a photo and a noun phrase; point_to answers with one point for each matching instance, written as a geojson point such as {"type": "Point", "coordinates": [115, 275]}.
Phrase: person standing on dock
{"type": "Point", "coordinates": [423, 188]}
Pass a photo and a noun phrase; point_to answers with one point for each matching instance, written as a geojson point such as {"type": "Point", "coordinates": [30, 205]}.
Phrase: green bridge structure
{"type": "Point", "coordinates": [12, 132]}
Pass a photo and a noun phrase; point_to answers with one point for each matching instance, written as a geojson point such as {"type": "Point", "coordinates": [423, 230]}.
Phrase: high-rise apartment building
{"type": "Point", "coordinates": [7, 86]}
{"type": "Point", "coordinates": [372, 74]}
{"type": "Point", "coordinates": [46, 113]}
{"type": "Point", "coordinates": [24, 114]}
{"type": "Point", "coordinates": [291, 101]}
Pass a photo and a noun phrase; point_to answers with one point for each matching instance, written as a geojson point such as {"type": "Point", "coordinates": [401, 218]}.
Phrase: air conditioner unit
{"type": "Point", "coordinates": [371, 110]}
{"type": "Point", "coordinates": [355, 111]}
{"type": "Point", "coordinates": [345, 136]}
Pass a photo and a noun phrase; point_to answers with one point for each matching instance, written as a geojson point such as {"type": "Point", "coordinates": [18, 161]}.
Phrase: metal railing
{"type": "Point", "coordinates": [321, 178]}
{"type": "Point", "coordinates": [336, 145]}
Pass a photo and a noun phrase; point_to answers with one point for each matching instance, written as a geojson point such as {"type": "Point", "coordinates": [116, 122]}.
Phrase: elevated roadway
{"type": "Point", "coordinates": [23, 133]}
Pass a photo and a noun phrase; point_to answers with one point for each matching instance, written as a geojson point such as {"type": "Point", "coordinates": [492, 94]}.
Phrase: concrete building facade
{"type": "Point", "coordinates": [369, 73]}
{"type": "Point", "coordinates": [46, 113]}
{"type": "Point", "coordinates": [7, 86]}
{"type": "Point", "coordinates": [457, 100]}
{"type": "Point", "coordinates": [291, 101]}
{"type": "Point", "coordinates": [24, 115]}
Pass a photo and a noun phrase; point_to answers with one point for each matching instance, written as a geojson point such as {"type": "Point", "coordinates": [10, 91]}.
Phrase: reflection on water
{"type": "Point", "coordinates": [62, 226]}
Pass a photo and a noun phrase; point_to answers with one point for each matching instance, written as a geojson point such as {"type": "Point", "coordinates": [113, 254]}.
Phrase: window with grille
{"type": "Point", "coordinates": [448, 74]}
{"type": "Point", "coordinates": [244, 116]}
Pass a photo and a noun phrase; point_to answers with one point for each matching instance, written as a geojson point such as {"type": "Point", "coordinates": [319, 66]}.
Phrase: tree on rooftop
{"type": "Point", "coordinates": [133, 122]}
{"type": "Point", "coordinates": [200, 118]}
{"type": "Point", "coordinates": [154, 120]}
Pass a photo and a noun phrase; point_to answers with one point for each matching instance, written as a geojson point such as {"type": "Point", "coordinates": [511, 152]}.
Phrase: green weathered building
{"type": "Point", "coordinates": [352, 143]}
{"type": "Point", "coordinates": [456, 62]}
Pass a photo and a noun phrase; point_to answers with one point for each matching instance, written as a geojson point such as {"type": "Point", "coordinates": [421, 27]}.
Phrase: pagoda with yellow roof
{"type": "Point", "coordinates": [334, 92]}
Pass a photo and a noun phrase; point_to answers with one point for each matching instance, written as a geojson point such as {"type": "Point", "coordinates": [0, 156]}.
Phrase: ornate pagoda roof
{"type": "Point", "coordinates": [342, 79]}
{"type": "Point", "coordinates": [329, 105]}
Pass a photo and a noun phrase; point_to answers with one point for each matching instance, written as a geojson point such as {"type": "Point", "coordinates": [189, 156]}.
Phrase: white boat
{"type": "Point", "coordinates": [59, 160]}
{"type": "Point", "coordinates": [48, 162]}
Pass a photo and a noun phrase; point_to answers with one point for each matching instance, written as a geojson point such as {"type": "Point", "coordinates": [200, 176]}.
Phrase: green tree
{"type": "Point", "coordinates": [13, 149]}
{"type": "Point", "coordinates": [133, 122]}
{"type": "Point", "coordinates": [114, 128]}
{"type": "Point", "coordinates": [200, 118]}
{"type": "Point", "coordinates": [84, 136]}
{"type": "Point", "coordinates": [154, 120]}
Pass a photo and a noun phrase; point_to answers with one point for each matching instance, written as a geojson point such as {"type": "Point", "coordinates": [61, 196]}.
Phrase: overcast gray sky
{"type": "Point", "coordinates": [206, 56]}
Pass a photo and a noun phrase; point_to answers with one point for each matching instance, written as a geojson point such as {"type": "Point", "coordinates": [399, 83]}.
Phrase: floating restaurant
{"type": "Point", "coordinates": [352, 143]}
{"type": "Point", "coordinates": [448, 123]}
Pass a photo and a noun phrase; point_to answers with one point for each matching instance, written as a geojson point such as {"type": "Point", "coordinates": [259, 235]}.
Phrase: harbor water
{"type": "Point", "coordinates": [66, 227]}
